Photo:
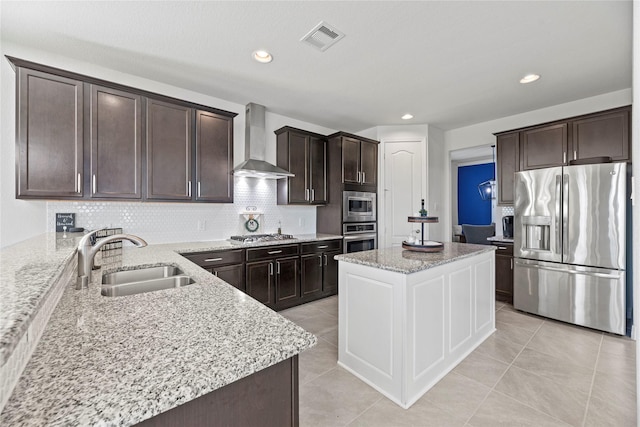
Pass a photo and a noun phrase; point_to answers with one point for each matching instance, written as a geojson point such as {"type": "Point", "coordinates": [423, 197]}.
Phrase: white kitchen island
{"type": "Point", "coordinates": [408, 318]}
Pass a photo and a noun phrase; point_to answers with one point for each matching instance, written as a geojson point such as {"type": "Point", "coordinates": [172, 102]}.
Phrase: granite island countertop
{"type": "Point", "coordinates": [120, 360]}
{"type": "Point", "coordinates": [401, 260]}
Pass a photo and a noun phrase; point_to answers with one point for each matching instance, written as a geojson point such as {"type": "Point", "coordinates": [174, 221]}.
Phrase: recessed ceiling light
{"type": "Point", "coordinates": [407, 117]}
{"type": "Point", "coordinates": [529, 78]}
{"type": "Point", "coordinates": [262, 56]}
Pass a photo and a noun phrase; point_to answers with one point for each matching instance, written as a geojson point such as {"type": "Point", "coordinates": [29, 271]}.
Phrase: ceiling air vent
{"type": "Point", "coordinates": [322, 36]}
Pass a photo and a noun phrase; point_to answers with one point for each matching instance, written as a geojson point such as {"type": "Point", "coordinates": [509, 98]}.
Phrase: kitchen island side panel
{"type": "Point", "coordinates": [436, 317]}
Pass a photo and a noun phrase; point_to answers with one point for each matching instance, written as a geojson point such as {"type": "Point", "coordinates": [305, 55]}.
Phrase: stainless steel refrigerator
{"type": "Point", "coordinates": [569, 244]}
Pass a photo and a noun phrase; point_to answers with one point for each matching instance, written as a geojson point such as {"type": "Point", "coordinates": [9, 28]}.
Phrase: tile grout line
{"type": "Point", "coordinates": [593, 381]}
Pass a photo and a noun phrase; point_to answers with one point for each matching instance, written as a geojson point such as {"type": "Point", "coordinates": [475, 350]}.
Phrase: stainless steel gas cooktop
{"type": "Point", "coordinates": [251, 238]}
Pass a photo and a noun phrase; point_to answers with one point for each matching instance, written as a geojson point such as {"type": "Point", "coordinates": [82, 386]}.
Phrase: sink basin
{"type": "Point", "coordinates": [132, 288]}
{"type": "Point", "coordinates": [130, 282]}
{"type": "Point", "coordinates": [140, 274]}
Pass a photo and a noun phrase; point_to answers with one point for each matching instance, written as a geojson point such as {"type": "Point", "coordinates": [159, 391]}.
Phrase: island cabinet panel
{"type": "Point", "coordinates": [544, 146]}
{"type": "Point", "coordinates": [116, 144]}
{"type": "Point", "coordinates": [168, 151]}
{"type": "Point", "coordinates": [49, 143]}
{"type": "Point", "coordinates": [508, 159]}
{"type": "Point", "coordinates": [304, 154]}
{"type": "Point", "coordinates": [605, 134]}
{"type": "Point", "coordinates": [425, 321]}
{"type": "Point", "coordinates": [214, 157]}
{"type": "Point", "coordinates": [266, 398]}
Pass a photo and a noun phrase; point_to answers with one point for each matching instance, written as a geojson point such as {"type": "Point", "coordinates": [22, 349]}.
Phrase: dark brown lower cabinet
{"type": "Point", "coordinates": [311, 274]}
{"type": "Point", "coordinates": [287, 282]}
{"type": "Point", "coordinates": [260, 282]}
{"type": "Point", "coordinates": [267, 398]}
{"type": "Point", "coordinates": [330, 274]}
{"type": "Point", "coordinates": [232, 274]}
{"type": "Point", "coordinates": [504, 272]}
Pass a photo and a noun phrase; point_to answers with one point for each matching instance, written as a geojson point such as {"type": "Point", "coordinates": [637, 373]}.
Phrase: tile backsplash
{"type": "Point", "coordinates": [179, 222]}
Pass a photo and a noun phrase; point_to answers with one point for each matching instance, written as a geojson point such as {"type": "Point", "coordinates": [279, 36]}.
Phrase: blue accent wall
{"type": "Point", "coordinates": [471, 208]}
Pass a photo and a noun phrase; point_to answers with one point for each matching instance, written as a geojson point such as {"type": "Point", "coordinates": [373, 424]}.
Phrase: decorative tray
{"type": "Point", "coordinates": [428, 246]}
{"type": "Point", "coordinates": [422, 219]}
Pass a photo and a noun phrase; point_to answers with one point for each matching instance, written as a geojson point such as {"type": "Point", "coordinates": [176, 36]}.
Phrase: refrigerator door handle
{"type": "Point", "coordinates": [565, 217]}
{"type": "Point", "coordinates": [568, 271]}
{"type": "Point", "coordinates": [558, 213]}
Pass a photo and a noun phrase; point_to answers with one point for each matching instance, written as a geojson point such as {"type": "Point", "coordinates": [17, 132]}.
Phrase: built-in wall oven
{"type": "Point", "coordinates": [358, 206]}
{"type": "Point", "coordinates": [359, 236]}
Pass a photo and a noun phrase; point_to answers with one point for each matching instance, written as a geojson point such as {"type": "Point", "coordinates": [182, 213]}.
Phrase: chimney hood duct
{"type": "Point", "coordinates": [255, 142]}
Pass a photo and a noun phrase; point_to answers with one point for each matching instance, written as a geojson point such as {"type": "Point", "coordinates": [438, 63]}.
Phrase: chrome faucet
{"type": "Point", "coordinates": [87, 251]}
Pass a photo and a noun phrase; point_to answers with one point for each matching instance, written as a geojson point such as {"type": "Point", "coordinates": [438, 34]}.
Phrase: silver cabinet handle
{"type": "Point", "coordinates": [212, 259]}
{"type": "Point", "coordinates": [270, 269]}
{"type": "Point", "coordinates": [215, 273]}
{"type": "Point", "coordinates": [277, 268]}
{"type": "Point", "coordinates": [274, 252]}
{"type": "Point", "coordinates": [575, 154]}
{"type": "Point", "coordinates": [502, 247]}
{"type": "Point", "coordinates": [93, 180]}
{"type": "Point", "coordinates": [363, 177]}
{"type": "Point", "coordinates": [358, 177]}
{"type": "Point", "coordinates": [313, 195]}
{"type": "Point", "coordinates": [326, 260]}
{"type": "Point", "coordinates": [198, 188]}
{"type": "Point", "coordinates": [511, 263]}
{"type": "Point", "coordinates": [564, 157]}
{"type": "Point", "coordinates": [79, 183]}
{"type": "Point", "coordinates": [306, 194]}
{"type": "Point", "coordinates": [189, 188]}
{"type": "Point", "coordinates": [323, 246]}
{"type": "Point", "coordinates": [320, 259]}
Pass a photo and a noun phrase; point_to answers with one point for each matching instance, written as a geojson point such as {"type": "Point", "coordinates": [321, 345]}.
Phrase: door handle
{"type": "Point", "coordinates": [270, 269]}
{"type": "Point", "coordinates": [363, 177]}
{"type": "Point", "coordinates": [565, 216]}
{"type": "Point", "coordinates": [274, 252]}
{"type": "Point", "coordinates": [558, 213]}
{"type": "Point", "coordinates": [313, 195]}
{"type": "Point", "coordinates": [278, 268]}
{"type": "Point", "coordinates": [511, 263]}
{"type": "Point", "coordinates": [320, 260]}
{"type": "Point", "coordinates": [198, 188]}
{"type": "Point", "coordinates": [212, 259]}
{"type": "Point", "coordinates": [358, 177]}
{"type": "Point", "coordinates": [189, 188]}
{"type": "Point", "coordinates": [326, 260]}
{"type": "Point", "coordinates": [306, 194]}
{"type": "Point", "coordinates": [573, 272]}
{"type": "Point", "coordinates": [94, 184]}
{"type": "Point", "coordinates": [79, 183]}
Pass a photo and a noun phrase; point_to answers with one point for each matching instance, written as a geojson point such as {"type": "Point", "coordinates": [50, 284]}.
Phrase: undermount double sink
{"type": "Point", "coordinates": [146, 279]}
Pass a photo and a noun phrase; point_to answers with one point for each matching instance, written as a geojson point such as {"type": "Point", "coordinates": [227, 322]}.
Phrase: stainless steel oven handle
{"type": "Point", "coordinates": [360, 237]}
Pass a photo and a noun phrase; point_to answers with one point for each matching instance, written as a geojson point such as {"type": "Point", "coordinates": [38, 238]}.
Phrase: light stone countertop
{"type": "Point", "coordinates": [120, 360]}
{"type": "Point", "coordinates": [401, 260]}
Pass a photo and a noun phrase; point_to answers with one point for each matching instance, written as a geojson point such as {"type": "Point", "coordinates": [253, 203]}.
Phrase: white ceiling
{"type": "Point", "coordinates": [450, 64]}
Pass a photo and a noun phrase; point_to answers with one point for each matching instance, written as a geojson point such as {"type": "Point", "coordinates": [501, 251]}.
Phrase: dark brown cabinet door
{"type": "Point", "coordinates": [504, 272]}
{"type": "Point", "coordinates": [508, 159]}
{"type": "Point", "coordinates": [604, 134]}
{"type": "Point", "coordinates": [318, 170]}
{"type": "Point", "coordinates": [368, 163]}
{"type": "Point", "coordinates": [330, 275]}
{"type": "Point", "coordinates": [168, 151]}
{"type": "Point", "coordinates": [260, 281]}
{"type": "Point", "coordinates": [214, 157]}
{"type": "Point", "coordinates": [298, 165]}
{"type": "Point", "coordinates": [350, 161]}
{"type": "Point", "coordinates": [544, 146]}
{"type": "Point", "coordinates": [232, 274]}
{"type": "Point", "coordinates": [311, 274]}
{"type": "Point", "coordinates": [49, 145]}
{"type": "Point", "coordinates": [116, 144]}
{"type": "Point", "coordinates": [287, 284]}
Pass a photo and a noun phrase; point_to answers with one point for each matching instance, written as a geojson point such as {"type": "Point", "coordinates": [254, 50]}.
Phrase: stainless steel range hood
{"type": "Point", "coordinates": [255, 142]}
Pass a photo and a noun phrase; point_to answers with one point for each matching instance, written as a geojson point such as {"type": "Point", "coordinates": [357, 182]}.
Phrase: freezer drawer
{"type": "Point", "coordinates": [586, 296]}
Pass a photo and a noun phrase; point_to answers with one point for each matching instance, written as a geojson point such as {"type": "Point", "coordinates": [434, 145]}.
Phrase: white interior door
{"type": "Point", "coordinates": [403, 188]}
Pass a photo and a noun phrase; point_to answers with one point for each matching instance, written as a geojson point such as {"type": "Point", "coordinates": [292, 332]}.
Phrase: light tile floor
{"type": "Point", "coordinates": [531, 372]}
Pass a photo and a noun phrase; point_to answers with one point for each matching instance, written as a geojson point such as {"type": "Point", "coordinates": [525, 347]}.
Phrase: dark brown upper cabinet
{"type": "Point", "coordinates": [602, 134]}
{"type": "Point", "coordinates": [508, 159]}
{"type": "Point", "coordinates": [49, 143]}
{"type": "Point", "coordinates": [214, 157]}
{"type": "Point", "coordinates": [544, 146]}
{"type": "Point", "coordinates": [605, 134]}
{"type": "Point", "coordinates": [116, 144]}
{"type": "Point", "coordinates": [82, 137]}
{"type": "Point", "coordinates": [359, 159]}
{"type": "Point", "coordinates": [305, 155]}
{"type": "Point", "coordinates": [169, 151]}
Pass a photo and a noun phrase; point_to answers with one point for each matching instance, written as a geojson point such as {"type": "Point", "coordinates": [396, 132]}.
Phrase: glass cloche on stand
{"type": "Point", "coordinates": [422, 245]}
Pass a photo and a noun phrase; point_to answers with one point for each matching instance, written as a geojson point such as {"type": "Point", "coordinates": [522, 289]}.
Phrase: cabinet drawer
{"type": "Point", "coordinates": [504, 249]}
{"type": "Point", "coordinates": [212, 259]}
{"type": "Point", "coordinates": [271, 252]}
{"type": "Point", "coordinates": [327, 245]}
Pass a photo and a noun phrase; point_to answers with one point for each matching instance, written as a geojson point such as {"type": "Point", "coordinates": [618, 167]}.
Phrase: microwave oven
{"type": "Point", "coordinates": [358, 206]}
